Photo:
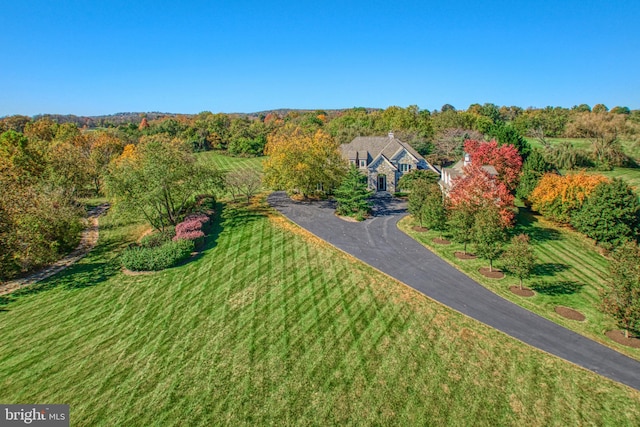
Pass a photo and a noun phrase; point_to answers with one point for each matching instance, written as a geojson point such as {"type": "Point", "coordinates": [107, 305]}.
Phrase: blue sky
{"type": "Point", "coordinates": [102, 57]}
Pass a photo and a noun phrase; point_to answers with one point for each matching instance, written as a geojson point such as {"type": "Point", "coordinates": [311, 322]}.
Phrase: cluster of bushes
{"type": "Point", "coordinates": [165, 249]}
{"type": "Point", "coordinates": [154, 258]}
{"type": "Point", "coordinates": [605, 210]}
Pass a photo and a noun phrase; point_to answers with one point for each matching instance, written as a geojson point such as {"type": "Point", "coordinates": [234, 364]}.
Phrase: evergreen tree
{"type": "Point", "coordinates": [353, 196]}
{"type": "Point", "coordinates": [532, 170]}
{"type": "Point", "coordinates": [507, 134]}
{"type": "Point", "coordinates": [611, 213]}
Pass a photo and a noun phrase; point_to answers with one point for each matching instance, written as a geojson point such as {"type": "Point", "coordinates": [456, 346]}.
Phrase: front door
{"type": "Point", "coordinates": [382, 183]}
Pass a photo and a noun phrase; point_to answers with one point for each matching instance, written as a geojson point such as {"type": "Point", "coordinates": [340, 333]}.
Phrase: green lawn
{"type": "Point", "coordinates": [228, 163]}
{"type": "Point", "coordinates": [271, 326]}
{"type": "Point", "coordinates": [631, 175]}
{"type": "Point", "coordinates": [570, 273]}
{"type": "Point", "coordinates": [630, 148]}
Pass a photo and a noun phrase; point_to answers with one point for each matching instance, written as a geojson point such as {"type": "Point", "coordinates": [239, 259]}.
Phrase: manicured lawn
{"type": "Point", "coordinates": [570, 273]}
{"type": "Point", "coordinates": [272, 326]}
{"type": "Point", "coordinates": [630, 148]}
{"type": "Point", "coordinates": [228, 163]}
{"type": "Point", "coordinates": [632, 176]}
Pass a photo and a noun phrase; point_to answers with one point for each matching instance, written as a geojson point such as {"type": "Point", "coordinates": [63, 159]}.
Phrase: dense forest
{"type": "Point", "coordinates": [48, 163]}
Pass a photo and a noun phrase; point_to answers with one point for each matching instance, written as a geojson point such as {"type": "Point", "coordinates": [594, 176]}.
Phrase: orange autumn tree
{"type": "Point", "coordinates": [558, 196]}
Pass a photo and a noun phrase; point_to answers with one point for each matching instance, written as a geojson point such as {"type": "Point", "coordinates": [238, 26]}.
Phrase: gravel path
{"type": "Point", "coordinates": [379, 242]}
{"type": "Point", "coordinates": [88, 241]}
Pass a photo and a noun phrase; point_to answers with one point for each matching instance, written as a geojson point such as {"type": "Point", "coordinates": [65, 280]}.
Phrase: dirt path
{"type": "Point", "coordinates": [87, 242]}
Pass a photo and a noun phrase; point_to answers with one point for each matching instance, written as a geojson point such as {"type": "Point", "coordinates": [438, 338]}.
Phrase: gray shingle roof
{"type": "Point", "coordinates": [375, 145]}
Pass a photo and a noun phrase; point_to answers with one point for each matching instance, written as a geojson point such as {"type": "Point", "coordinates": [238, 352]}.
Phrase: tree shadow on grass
{"type": "Point", "coordinates": [556, 287]}
{"type": "Point", "coordinates": [549, 268]}
{"type": "Point", "coordinates": [526, 223]}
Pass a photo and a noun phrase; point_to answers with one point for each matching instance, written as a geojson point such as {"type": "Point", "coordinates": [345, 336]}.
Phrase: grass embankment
{"type": "Point", "coordinates": [570, 273]}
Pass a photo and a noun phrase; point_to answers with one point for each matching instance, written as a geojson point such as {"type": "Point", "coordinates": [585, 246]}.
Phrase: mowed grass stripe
{"type": "Point", "coordinates": [267, 327]}
{"type": "Point", "coordinates": [576, 267]}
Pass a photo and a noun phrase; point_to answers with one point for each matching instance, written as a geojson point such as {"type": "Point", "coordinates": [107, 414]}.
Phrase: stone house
{"type": "Point", "coordinates": [384, 159]}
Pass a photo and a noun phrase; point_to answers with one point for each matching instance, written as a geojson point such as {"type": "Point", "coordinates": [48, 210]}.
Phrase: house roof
{"type": "Point", "coordinates": [375, 145]}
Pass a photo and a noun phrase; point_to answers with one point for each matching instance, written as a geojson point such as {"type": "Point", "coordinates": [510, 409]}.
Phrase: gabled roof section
{"type": "Point", "coordinates": [375, 145]}
{"type": "Point", "coordinates": [384, 158]}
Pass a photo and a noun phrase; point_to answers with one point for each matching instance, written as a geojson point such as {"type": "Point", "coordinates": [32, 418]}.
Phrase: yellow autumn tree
{"type": "Point", "coordinates": [303, 163]}
{"type": "Point", "coordinates": [558, 196]}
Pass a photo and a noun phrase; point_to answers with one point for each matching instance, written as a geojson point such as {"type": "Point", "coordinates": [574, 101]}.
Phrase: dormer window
{"type": "Point", "coordinates": [363, 163]}
{"type": "Point", "coordinates": [405, 167]}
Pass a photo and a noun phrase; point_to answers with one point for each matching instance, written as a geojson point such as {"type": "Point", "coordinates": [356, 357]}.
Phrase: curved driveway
{"type": "Point", "coordinates": [379, 242]}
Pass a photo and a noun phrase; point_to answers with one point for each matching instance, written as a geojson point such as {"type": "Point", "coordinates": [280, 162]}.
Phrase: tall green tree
{"type": "Point", "coordinates": [352, 196]}
{"type": "Point", "coordinates": [461, 219]}
{"type": "Point", "coordinates": [420, 190]}
{"type": "Point", "coordinates": [519, 258]}
{"type": "Point", "coordinates": [434, 210]}
{"type": "Point", "coordinates": [159, 181]}
{"type": "Point", "coordinates": [408, 180]}
{"type": "Point", "coordinates": [532, 170]}
{"type": "Point", "coordinates": [611, 213]}
{"type": "Point", "coordinates": [488, 234]}
{"type": "Point", "coordinates": [621, 299]}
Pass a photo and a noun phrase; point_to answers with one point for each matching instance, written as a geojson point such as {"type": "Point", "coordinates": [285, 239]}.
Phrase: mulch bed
{"type": "Point", "coordinates": [440, 241]}
{"type": "Point", "coordinates": [524, 292]}
{"type": "Point", "coordinates": [495, 274]}
{"type": "Point", "coordinates": [618, 336]}
{"type": "Point", "coordinates": [462, 255]}
{"type": "Point", "coordinates": [419, 229]}
{"type": "Point", "coordinates": [570, 313]}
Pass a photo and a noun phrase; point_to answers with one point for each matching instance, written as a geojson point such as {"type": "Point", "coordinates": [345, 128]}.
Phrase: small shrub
{"type": "Point", "coordinates": [157, 258]}
{"type": "Point", "coordinates": [157, 239]}
{"type": "Point", "coordinates": [206, 202]}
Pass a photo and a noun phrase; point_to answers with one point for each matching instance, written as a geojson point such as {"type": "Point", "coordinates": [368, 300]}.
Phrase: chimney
{"type": "Point", "coordinates": [391, 134]}
{"type": "Point", "coordinates": [467, 159]}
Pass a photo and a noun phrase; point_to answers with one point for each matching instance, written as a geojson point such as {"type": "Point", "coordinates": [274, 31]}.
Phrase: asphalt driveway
{"type": "Point", "coordinates": [378, 242]}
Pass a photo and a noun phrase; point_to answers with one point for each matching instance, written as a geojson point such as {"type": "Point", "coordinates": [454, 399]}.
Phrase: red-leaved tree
{"type": "Point", "coordinates": [505, 158]}
{"type": "Point", "coordinates": [478, 189]}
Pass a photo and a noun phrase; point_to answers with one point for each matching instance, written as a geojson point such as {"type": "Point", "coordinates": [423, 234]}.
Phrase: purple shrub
{"type": "Point", "coordinates": [191, 227]}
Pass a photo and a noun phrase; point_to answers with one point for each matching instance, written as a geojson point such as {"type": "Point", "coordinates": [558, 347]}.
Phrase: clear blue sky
{"type": "Point", "coordinates": [102, 57]}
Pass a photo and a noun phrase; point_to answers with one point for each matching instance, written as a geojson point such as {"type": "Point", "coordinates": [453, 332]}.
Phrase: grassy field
{"type": "Point", "coordinates": [630, 148]}
{"type": "Point", "coordinates": [570, 273]}
{"type": "Point", "coordinates": [268, 325]}
{"type": "Point", "coordinates": [632, 176]}
{"type": "Point", "coordinates": [228, 163]}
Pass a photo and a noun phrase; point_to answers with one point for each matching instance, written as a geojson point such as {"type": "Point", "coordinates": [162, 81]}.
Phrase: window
{"type": "Point", "coordinates": [353, 162]}
{"type": "Point", "coordinates": [363, 163]}
{"type": "Point", "coordinates": [405, 167]}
